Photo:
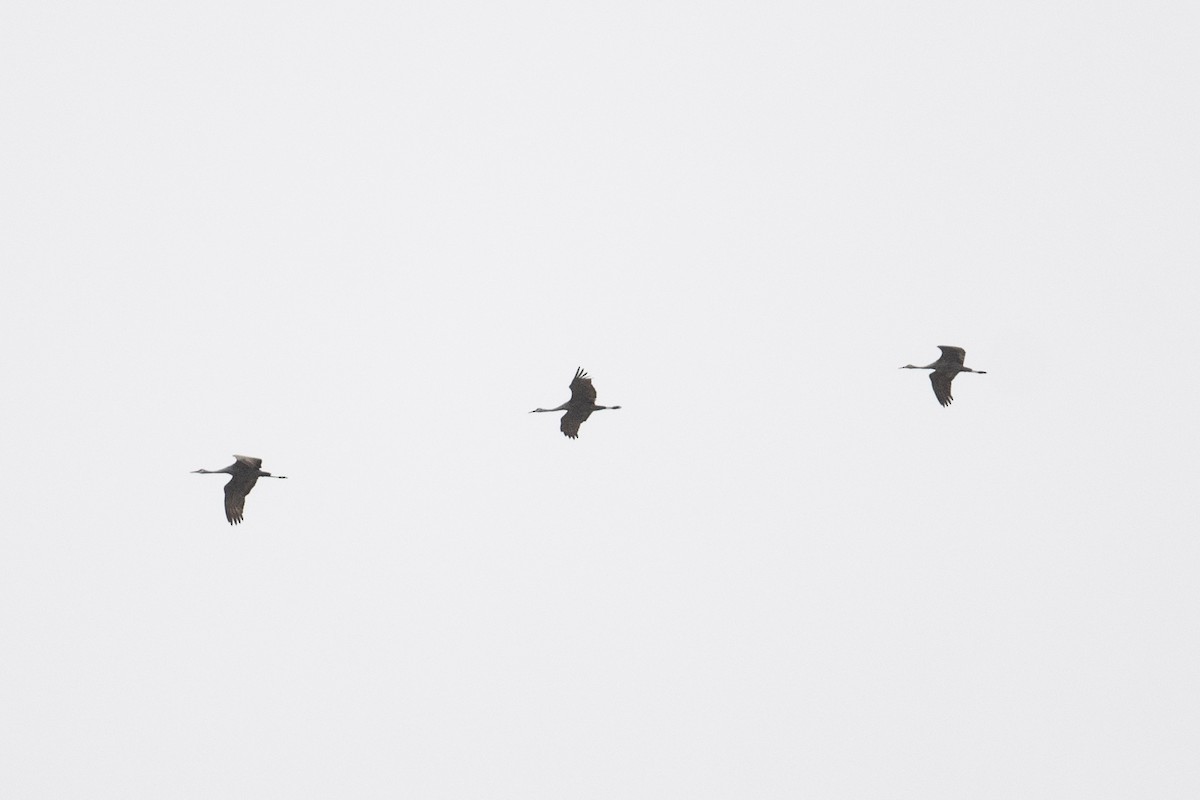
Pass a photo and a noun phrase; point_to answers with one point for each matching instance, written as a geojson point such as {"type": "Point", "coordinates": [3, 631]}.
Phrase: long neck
{"type": "Point", "coordinates": [563, 407]}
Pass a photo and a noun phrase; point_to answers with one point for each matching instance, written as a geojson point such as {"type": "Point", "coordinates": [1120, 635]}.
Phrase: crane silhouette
{"type": "Point", "coordinates": [944, 370]}
{"type": "Point", "coordinates": [245, 471]}
{"type": "Point", "coordinates": [579, 407]}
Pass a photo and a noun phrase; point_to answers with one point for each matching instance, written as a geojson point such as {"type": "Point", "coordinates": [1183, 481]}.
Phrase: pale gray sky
{"type": "Point", "coordinates": [362, 240]}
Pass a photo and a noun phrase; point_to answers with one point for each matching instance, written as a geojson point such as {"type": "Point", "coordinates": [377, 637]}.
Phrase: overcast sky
{"type": "Point", "coordinates": [362, 240]}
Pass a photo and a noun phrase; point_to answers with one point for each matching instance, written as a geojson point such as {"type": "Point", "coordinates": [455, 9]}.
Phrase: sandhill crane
{"type": "Point", "coordinates": [579, 407]}
{"type": "Point", "coordinates": [944, 370]}
{"type": "Point", "coordinates": [245, 471]}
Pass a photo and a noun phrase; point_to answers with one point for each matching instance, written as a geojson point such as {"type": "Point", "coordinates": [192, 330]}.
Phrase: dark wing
{"type": "Point", "coordinates": [572, 420]}
{"type": "Point", "coordinates": [582, 390]}
{"type": "Point", "coordinates": [941, 385]}
{"type": "Point", "coordinates": [952, 355]}
{"type": "Point", "coordinates": [235, 496]}
{"type": "Point", "coordinates": [250, 461]}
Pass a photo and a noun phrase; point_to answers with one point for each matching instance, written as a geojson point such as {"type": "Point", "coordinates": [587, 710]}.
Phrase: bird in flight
{"type": "Point", "coordinates": [579, 407]}
{"type": "Point", "coordinates": [245, 471]}
{"type": "Point", "coordinates": [944, 370]}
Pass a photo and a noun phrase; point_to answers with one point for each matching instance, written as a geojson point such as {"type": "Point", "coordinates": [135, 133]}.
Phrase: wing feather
{"type": "Point", "coordinates": [952, 355]}
{"type": "Point", "coordinates": [235, 496]}
{"type": "Point", "coordinates": [572, 420]}
{"type": "Point", "coordinates": [941, 385]}
{"type": "Point", "coordinates": [582, 390]}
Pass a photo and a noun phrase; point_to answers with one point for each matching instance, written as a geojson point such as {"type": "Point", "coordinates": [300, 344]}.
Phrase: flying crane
{"type": "Point", "coordinates": [944, 370]}
{"type": "Point", "coordinates": [579, 407]}
{"type": "Point", "coordinates": [245, 471]}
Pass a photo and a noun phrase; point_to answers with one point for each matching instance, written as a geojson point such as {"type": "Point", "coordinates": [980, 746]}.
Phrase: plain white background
{"type": "Point", "coordinates": [362, 240]}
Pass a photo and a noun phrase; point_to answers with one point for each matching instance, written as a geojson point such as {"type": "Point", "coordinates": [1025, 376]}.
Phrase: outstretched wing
{"type": "Point", "coordinates": [952, 355]}
{"type": "Point", "coordinates": [572, 420]}
{"type": "Point", "coordinates": [582, 390]}
{"type": "Point", "coordinates": [249, 461]}
{"type": "Point", "coordinates": [235, 496]}
{"type": "Point", "coordinates": [941, 385]}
